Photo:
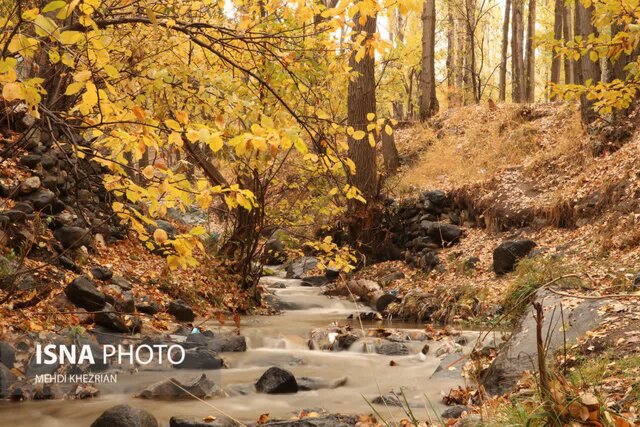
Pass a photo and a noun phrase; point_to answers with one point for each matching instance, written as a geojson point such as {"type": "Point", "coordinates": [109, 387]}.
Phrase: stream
{"type": "Point", "coordinates": [282, 341]}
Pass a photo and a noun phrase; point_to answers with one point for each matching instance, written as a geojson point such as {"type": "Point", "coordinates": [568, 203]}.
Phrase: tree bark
{"type": "Point", "coordinates": [588, 71]}
{"type": "Point", "coordinates": [556, 64]}
{"type": "Point", "coordinates": [451, 51]}
{"type": "Point", "coordinates": [428, 100]}
{"type": "Point", "coordinates": [503, 55]}
{"type": "Point", "coordinates": [531, 53]}
{"type": "Point", "coordinates": [471, 88]}
{"type": "Point", "coordinates": [361, 100]}
{"type": "Point", "coordinates": [389, 151]}
{"type": "Point", "coordinates": [517, 60]}
{"type": "Point", "coordinates": [569, 64]}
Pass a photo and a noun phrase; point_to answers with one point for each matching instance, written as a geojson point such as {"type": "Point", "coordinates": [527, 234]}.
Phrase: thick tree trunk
{"type": "Point", "coordinates": [361, 100]}
{"type": "Point", "coordinates": [517, 61]}
{"type": "Point", "coordinates": [530, 66]}
{"type": "Point", "coordinates": [428, 100]}
{"type": "Point", "coordinates": [569, 73]}
{"type": "Point", "coordinates": [389, 151]}
{"type": "Point", "coordinates": [587, 70]}
{"type": "Point", "coordinates": [504, 52]}
{"type": "Point", "coordinates": [558, 16]}
{"type": "Point", "coordinates": [470, 53]}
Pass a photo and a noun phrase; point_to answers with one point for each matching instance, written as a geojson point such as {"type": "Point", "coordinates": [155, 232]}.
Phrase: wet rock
{"type": "Point", "coordinates": [455, 411]}
{"type": "Point", "coordinates": [391, 277]}
{"type": "Point", "coordinates": [297, 268]}
{"type": "Point", "coordinates": [29, 185]}
{"type": "Point", "coordinates": [125, 416]}
{"type": "Point", "coordinates": [277, 285]}
{"type": "Point", "coordinates": [224, 343]}
{"type": "Point", "coordinates": [7, 354]}
{"type": "Point", "coordinates": [121, 282]}
{"type": "Point", "coordinates": [6, 379]}
{"type": "Point", "coordinates": [324, 421]}
{"type": "Point", "coordinates": [508, 253]}
{"type": "Point", "coordinates": [84, 293]}
{"type": "Point", "coordinates": [200, 358]}
{"type": "Point", "coordinates": [389, 348]}
{"type": "Point", "coordinates": [173, 389]}
{"type": "Point", "coordinates": [277, 381]}
{"type": "Point", "coordinates": [314, 281]}
{"type": "Point", "coordinates": [516, 355]}
{"type": "Point", "coordinates": [83, 391]}
{"type": "Point", "coordinates": [116, 322]}
{"type": "Point", "coordinates": [220, 421]}
{"type": "Point", "coordinates": [47, 392]}
{"type": "Point", "coordinates": [71, 237]}
{"type": "Point", "coordinates": [450, 366]}
{"type": "Point", "coordinates": [181, 311]}
{"type": "Point", "coordinates": [345, 341]}
{"type": "Point", "coordinates": [101, 273]}
{"type": "Point", "coordinates": [30, 160]}
{"type": "Point", "coordinates": [308, 384]}
{"type": "Point", "coordinates": [390, 399]}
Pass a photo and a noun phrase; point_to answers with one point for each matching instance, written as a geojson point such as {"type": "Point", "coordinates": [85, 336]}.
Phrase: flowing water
{"type": "Point", "coordinates": [272, 341]}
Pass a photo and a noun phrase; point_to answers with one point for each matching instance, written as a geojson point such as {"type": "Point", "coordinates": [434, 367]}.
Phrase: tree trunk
{"type": "Point", "coordinates": [588, 71]}
{"type": "Point", "coordinates": [557, 36]}
{"type": "Point", "coordinates": [531, 53]}
{"type": "Point", "coordinates": [389, 151]}
{"type": "Point", "coordinates": [503, 58]}
{"type": "Point", "coordinates": [451, 51]}
{"type": "Point", "coordinates": [459, 62]}
{"type": "Point", "coordinates": [517, 61]}
{"type": "Point", "coordinates": [569, 64]}
{"type": "Point", "coordinates": [428, 100]}
{"type": "Point", "coordinates": [470, 52]}
{"type": "Point", "coordinates": [361, 100]}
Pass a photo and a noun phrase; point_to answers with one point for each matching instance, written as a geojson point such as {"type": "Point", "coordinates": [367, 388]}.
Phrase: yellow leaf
{"type": "Point", "coordinates": [54, 5]}
{"type": "Point", "coordinates": [215, 143]}
{"type": "Point", "coordinates": [372, 140]}
{"type": "Point", "coordinates": [388, 129]}
{"type": "Point", "coordinates": [371, 116]}
{"type": "Point", "coordinates": [70, 37]}
{"type": "Point", "coordinates": [160, 236]}
{"type": "Point", "coordinates": [173, 125]}
{"type": "Point", "coordinates": [74, 88]}
{"type": "Point", "coordinates": [148, 171]}
{"type": "Point", "coordinates": [358, 135]}
{"type": "Point", "coordinates": [12, 91]}
{"type": "Point", "coordinates": [138, 112]}
{"type": "Point", "coordinates": [44, 26]}
{"type": "Point", "coordinates": [117, 207]}
{"type": "Point", "coordinates": [173, 262]}
{"type": "Point", "coordinates": [82, 76]}
{"type": "Point", "coordinates": [198, 231]}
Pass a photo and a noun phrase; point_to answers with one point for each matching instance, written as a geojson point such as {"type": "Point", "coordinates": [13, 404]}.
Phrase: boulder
{"type": "Point", "coordinates": [390, 348]}
{"type": "Point", "coordinates": [30, 160]}
{"type": "Point", "coordinates": [83, 293]}
{"type": "Point", "coordinates": [181, 311]}
{"type": "Point", "coordinates": [455, 411]}
{"type": "Point", "coordinates": [125, 416]}
{"type": "Point", "coordinates": [520, 352]}
{"type": "Point", "coordinates": [308, 384]}
{"type": "Point", "coordinates": [101, 273]}
{"type": "Point", "coordinates": [332, 274]}
{"type": "Point", "coordinates": [324, 421]}
{"type": "Point", "coordinates": [122, 282]}
{"type": "Point", "coordinates": [200, 358]}
{"type": "Point", "coordinates": [29, 185]}
{"type": "Point", "coordinates": [315, 281]}
{"type": "Point", "coordinates": [43, 200]}
{"type": "Point", "coordinates": [508, 253]}
{"type": "Point", "coordinates": [220, 421]}
{"type": "Point", "coordinates": [298, 267]}
{"type": "Point", "coordinates": [277, 381]}
{"type": "Point", "coordinates": [173, 389]}
{"type": "Point", "coordinates": [6, 379]}
{"type": "Point", "coordinates": [148, 306]}
{"type": "Point", "coordinates": [49, 161]}
{"type": "Point", "coordinates": [72, 237]}
{"type": "Point", "coordinates": [15, 216]}
{"type": "Point", "coordinates": [7, 354]}
{"type": "Point", "coordinates": [34, 368]}
{"type": "Point", "coordinates": [116, 322]}
{"type": "Point", "coordinates": [443, 233]}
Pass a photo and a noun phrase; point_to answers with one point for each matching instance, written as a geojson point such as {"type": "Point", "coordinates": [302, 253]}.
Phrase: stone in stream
{"type": "Point", "coordinates": [509, 252]}
{"type": "Point", "coordinates": [181, 311]}
{"type": "Point", "coordinates": [277, 381]}
{"type": "Point", "coordinates": [84, 293]}
{"type": "Point", "coordinates": [390, 348]}
{"type": "Point", "coordinates": [200, 358]}
{"type": "Point", "coordinates": [218, 343]}
{"type": "Point", "coordinates": [324, 421]}
{"type": "Point", "coordinates": [173, 389]}
{"type": "Point", "coordinates": [125, 416]}
{"type": "Point", "coordinates": [389, 399]}
{"type": "Point", "coordinates": [314, 281]}
{"type": "Point", "coordinates": [308, 383]}
{"type": "Point", "coordinates": [299, 267]}
{"type": "Point", "coordinates": [220, 421]}
{"type": "Point", "coordinates": [7, 354]}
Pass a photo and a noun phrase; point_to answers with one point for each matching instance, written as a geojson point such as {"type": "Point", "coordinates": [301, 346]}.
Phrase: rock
{"type": "Point", "coordinates": [43, 200]}
{"type": "Point", "coordinates": [174, 389]}
{"type": "Point", "coordinates": [30, 160]}
{"type": "Point", "coordinates": [122, 282]}
{"type": "Point", "coordinates": [507, 254]}
{"type": "Point", "coordinates": [15, 216]}
{"type": "Point", "coordinates": [298, 267]}
{"type": "Point", "coordinates": [450, 367]}
{"type": "Point", "coordinates": [181, 311]}
{"type": "Point", "coordinates": [49, 161]}
{"type": "Point", "coordinates": [199, 358]}
{"type": "Point", "coordinates": [148, 306]}
{"type": "Point", "coordinates": [69, 264]}
{"type": "Point", "coordinates": [101, 273]}
{"type": "Point", "coordinates": [443, 233]}
{"type": "Point", "coordinates": [277, 381]}
{"type": "Point", "coordinates": [517, 354]}
{"type": "Point", "coordinates": [116, 322]}
{"type": "Point", "coordinates": [71, 237]}
{"type": "Point", "coordinates": [29, 185]}
{"type": "Point", "coordinates": [25, 207]}
{"type": "Point", "coordinates": [470, 263]}
{"type": "Point", "coordinates": [345, 341]}
{"type": "Point", "coordinates": [308, 384]}
{"type": "Point", "coordinates": [455, 411]}
{"type": "Point", "coordinates": [332, 274]}
{"type": "Point", "coordinates": [437, 200]}
{"type": "Point", "coordinates": [389, 348]}
{"type": "Point", "coordinates": [125, 303]}
{"type": "Point", "coordinates": [34, 368]}
{"type": "Point", "coordinates": [390, 399]}
{"type": "Point", "coordinates": [391, 277]}
{"type": "Point", "coordinates": [125, 416]}
{"type": "Point", "coordinates": [7, 354]}
{"type": "Point", "coordinates": [324, 421]}
{"type": "Point", "coordinates": [636, 281]}
{"type": "Point", "coordinates": [6, 379]}
{"type": "Point", "coordinates": [277, 285]}
{"type": "Point", "coordinates": [83, 293]}
{"type": "Point", "coordinates": [314, 281]}
{"type": "Point", "coordinates": [220, 421]}
{"type": "Point", "coordinates": [471, 420]}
